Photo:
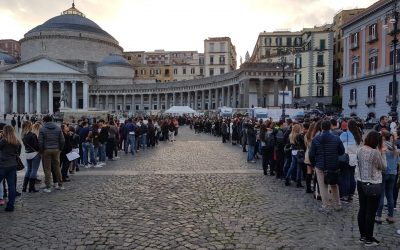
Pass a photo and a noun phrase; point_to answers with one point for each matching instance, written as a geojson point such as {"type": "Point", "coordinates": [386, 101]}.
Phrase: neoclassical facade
{"type": "Point", "coordinates": [70, 63]}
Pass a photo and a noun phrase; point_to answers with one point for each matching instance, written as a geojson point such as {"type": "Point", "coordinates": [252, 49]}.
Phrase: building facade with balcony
{"type": "Point", "coordinates": [219, 56]}
{"type": "Point", "coordinates": [11, 47]}
{"type": "Point", "coordinates": [310, 52]}
{"type": "Point", "coordinates": [368, 62]}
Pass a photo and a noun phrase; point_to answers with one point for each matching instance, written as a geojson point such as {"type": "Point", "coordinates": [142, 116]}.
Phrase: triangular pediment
{"type": "Point", "coordinates": [43, 65]}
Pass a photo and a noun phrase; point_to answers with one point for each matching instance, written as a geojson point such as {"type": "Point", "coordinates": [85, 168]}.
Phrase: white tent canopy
{"type": "Point", "coordinates": [180, 110]}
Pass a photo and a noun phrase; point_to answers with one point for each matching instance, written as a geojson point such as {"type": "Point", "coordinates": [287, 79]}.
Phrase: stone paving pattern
{"type": "Point", "coordinates": [195, 193]}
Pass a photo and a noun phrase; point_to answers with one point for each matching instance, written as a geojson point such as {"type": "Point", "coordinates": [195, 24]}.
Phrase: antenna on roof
{"type": "Point", "coordinates": [73, 3]}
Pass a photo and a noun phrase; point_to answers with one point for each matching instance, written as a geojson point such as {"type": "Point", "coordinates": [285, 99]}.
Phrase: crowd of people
{"type": "Point", "coordinates": [62, 149]}
{"type": "Point", "coordinates": [333, 159]}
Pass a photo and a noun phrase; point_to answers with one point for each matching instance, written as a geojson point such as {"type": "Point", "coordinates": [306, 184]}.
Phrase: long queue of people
{"type": "Point", "coordinates": [334, 162]}
{"type": "Point", "coordinates": [64, 149]}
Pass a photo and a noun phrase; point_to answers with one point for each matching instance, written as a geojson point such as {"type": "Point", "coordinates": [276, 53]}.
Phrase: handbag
{"type": "Point", "coordinates": [20, 164]}
{"type": "Point", "coordinates": [300, 156]}
{"type": "Point", "coordinates": [369, 189]}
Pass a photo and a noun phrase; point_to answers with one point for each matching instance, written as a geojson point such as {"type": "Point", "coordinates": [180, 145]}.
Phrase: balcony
{"type": "Point", "coordinates": [352, 103]}
{"type": "Point", "coordinates": [370, 101]}
{"type": "Point", "coordinates": [372, 38]}
{"type": "Point", "coordinates": [320, 64]}
{"type": "Point", "coordinates": [354, 46]}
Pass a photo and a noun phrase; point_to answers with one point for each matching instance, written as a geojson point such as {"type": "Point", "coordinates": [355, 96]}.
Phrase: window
{"type": "Point", "coordinates": [201, 60]}
{"type": "Point", "coordinates": [175, 71]}
{"type": "Point", "coordinates": [211, 60]}
{"type": "Point", "coordinates": [222, 47]}
{"type": "Point", "coordinates": [152, 72]}
{"type": "Point", "coordinates": [298, 41]}
{"type": "Point", "coordinates": [184, 71]}
{"type": "Point", "coordinates": [298, 62]}
{"type": "Point", "coordinates": [322, 44]}
{"type": "Point", "coordinates": [297, 92]}
{"type": "Point", "coordinates": [354, 68]}
{"type": "Point", "coordinates": [192, 71]}
{"type": "Point", "coordinates": [371, 92]}
{"type": "Point", "coordinates": [136, 72]}
{"type": "Point", "coordinates": [320, 61]}
{"type": "Point", "coordinates": [372, 32]}
{"type": "Point", "coordinates": [353, 94]}
{"type": "Point", "coordinates": [201, 71]}
{"type": "Point", "coordinates": [221, 71]}
{"type": "Point", "coordinates": [166, 72]}
{"type": "Point", "coordinates": [297, 79]}
{"type": "Point", "coordinates": [288, 41]}
{"type": "Point", "coordinates": [267, 52]}
{"type": "Point", "coordinates": [320, 77]}
{"type": "Point", "coordinates": [373, 63]}
{"type": "Point", "coordinates": [211, 72]}
{"type": "Point", "coordinates": [211, 47]}
{"type": "Point", "coordinates": [354, 41]}
{"type": "Point", "coordinates": [278, 41]}
{"type": "Point", "coordinates": [320, 91]}
{"type": "Point", "coordinates": [222, 60]}
{"type": "Point", "coordinates": [129, 58]}
{"type": "Point", "coordinates": [267, 41]}
{"type": "Point", "coordinates": [391, 56]}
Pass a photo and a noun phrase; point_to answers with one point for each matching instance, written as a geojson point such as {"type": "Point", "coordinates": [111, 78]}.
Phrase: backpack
{"type": "Point", "coordinates": [269, 140]}
{"type": "Point", "coordinates": [279, 139]}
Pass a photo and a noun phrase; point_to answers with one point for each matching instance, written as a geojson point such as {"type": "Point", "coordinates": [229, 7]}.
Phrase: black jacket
{"type": "Point", "coordinates": [31, 143]}
{"type": "Point", "coordinates": [8, 154]}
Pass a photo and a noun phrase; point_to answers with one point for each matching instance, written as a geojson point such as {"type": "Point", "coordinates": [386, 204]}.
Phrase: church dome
{"type": "Point", "coordinates": [71, 19]}
{"type": "Point", "coordinates": [7, 58]}
{"type": "Point", "coordinates": [114, 59]}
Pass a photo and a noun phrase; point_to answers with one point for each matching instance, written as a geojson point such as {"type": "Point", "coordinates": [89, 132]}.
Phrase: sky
{"type": "Point", "coordinates": [148, 25]}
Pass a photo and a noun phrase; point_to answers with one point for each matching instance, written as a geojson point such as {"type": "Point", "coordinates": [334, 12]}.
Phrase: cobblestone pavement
{"type": "Point", "coordinates": [195, 193]}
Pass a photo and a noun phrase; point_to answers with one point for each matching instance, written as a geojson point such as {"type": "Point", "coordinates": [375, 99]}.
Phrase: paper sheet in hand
{"type": "Point", "coordinates": [72, 156]}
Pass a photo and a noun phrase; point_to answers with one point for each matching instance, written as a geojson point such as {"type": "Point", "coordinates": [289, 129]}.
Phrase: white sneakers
{"type": "Point", "coordinates": [60, 188]}
{"type": "Point", "coordinates": [47, 190]}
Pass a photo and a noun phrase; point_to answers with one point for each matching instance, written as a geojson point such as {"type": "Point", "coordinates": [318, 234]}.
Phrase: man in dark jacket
{"type": "Point", "coordinates": [51, 142]}
{"type": "Point", "coordinates": [324, 152]}
{"type": "Point", "coordinates": [251, 141]}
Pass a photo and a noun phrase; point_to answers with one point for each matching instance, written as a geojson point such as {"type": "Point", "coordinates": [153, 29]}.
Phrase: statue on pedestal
{"type": "Point", "coordinates": [64, 98]}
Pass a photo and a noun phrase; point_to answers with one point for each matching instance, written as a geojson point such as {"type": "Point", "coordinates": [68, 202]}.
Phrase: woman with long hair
{"type": "Point", "coordinates": [296, 139]}
{"type": "Point", "coordinates": [10, 148]}
{"type": "Point", "coordinates": [351, 139]}
{"type": "Point", "coordinates": [33, 158]}
{"type": "Point", "coordinates": [369, 169]}
{"type": "Point", "coordinates": [310, 169]}
{"type": "Point", "coordinates": [389, 177]}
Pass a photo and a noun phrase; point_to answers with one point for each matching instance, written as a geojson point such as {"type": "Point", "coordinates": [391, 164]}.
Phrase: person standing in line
{"type": "Point", "coordinates": [65, 163]}
{"type": "Point", "coordinates": [51, 142]}
{"type": "Point", "coordinates": [324, 152]}
{"type": "Point", "coordinates": [251, 136]}
{"type": "Point", "coordinates": [32, 156]}
{"type": "Point", "coordinates": [111, 141]}
{"type": "Point", "coordinates": [10, 148]}
{"type": "Point", "coordinates": [371, 163]}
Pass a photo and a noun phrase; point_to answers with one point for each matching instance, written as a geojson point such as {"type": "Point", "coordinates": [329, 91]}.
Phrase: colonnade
{"type": "Point", "coordinates": [42, 96]}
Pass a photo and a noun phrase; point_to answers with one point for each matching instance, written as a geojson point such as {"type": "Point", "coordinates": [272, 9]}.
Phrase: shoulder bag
{"type": "Point", "coordinates": [369, 189]}
{"type": "Point", "coordinates": [344, 159]}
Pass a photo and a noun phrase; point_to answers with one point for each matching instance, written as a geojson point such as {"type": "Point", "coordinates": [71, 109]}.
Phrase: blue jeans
{"type": "Point", "coordinates": [10, 174]}
{"type": "Point", "coordinates": [293, 169]}
{"type": "Point", "coordinates": [33, 166]}
{"type": "Point", "coordinates": [88, 149]}
{"type": "Point", "coordinates": [102, 152]}
{"type": "Point", "coordinates": [144, 140]}
{"type": "Point", "coordinates": [250, 152]}
{"type": "Point", "coordinates": [388, 181]}
{"type": "Point", "coordinates": [130, 141]}
{"type": "Point", "coordinates": [347, 183]}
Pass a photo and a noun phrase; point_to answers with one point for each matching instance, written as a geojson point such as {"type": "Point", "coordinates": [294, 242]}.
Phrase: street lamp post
{"type": "Point", "coordinates": [394, 20]}
{"type": "Point", "coordinates": [283, 65]}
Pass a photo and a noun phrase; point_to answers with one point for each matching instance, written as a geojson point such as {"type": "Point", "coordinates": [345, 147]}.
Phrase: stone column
{"type": "Point", "coordinates": [116, 102]}
{"type": "Point", "coordinates": [150, 102]}
{"type": "Point", "coordinates": [124, 103]}
{"type": "Point", "coordinates": [26, 96]}
{"type": "Point", "coordinates": [223, 96]}
{"type": "Point", "coordinates": [97, 101]}
{"type": "Point", "coordinates": [229, 99]}
{"type": "Point", "coordinates": [181, 98]}
{"type": "Point", "coordinates": [15, 97]}
{"type": "Point", "coordinates": [141, 102]}
{"type": "Point", "coordinates": [62, 88]}
{"type": "Point", "coordinates": [158, 102]}
{"type": "Point", "coordinates": [173, 98]}
{"type": "Point", "coordinates": [216, 98]}
{"type": "Point", "coordinates": [202, 100]}
{"type": "Point", "coordinates": [234, 96]}
{"type": "Point", "coordinates": [51, 111]}
{"type": "Point", "coordinates": [106, 102]}
{"type": "Point", "coordinates": [73, 106]}
{"type": "Point", "coordinates": [38, 98]}
{"type": "Point", "coordinates": [276, 93]}
{"type": "Point", "coordinates": [85, 95]}
{"type": "Point", "coordinates": [209, 99]}
{"type": "Point", "coordinates": [2, 97]}
{"type": "Point", "coordinates": [196, 95]}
